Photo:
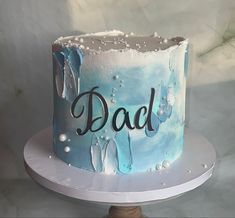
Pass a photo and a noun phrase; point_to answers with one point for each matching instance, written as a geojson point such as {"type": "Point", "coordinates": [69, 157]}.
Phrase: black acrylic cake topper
{"type": "Point", "coordinates": [90, 120]}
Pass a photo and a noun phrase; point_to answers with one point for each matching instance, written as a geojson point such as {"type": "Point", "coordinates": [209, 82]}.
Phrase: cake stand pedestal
{"type": "Point", "coordinates": [126, 193]}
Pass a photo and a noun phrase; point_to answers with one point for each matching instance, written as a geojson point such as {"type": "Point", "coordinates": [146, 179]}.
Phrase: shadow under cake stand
{"type": "Point", "coordinates": [126, 193]}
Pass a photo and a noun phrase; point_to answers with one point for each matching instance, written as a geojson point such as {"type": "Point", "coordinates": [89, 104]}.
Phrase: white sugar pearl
{"type": "Point", "coordinates": [155, 34]}
{"type": "Point", "coordinates": [204, 166]}
{"type": "Point", "coordinates": [160, 112]}
{"type": "Point", "coordinates": [69, 165]}
{"type": "Point", "coordinates": [113, 101]}
{"type": "Point", "coordinates": [81, 40]}
{"type": "Point", "coordinates": [126, 35]}
{"type": "Point", "coordinates": [81, 46]}
{"type": "Point", "coordinates": [166, 164]}
{"type": "Point", "coordinates": [158, 167]}
{"type": "Point", "coordinates": [67, 149]}
{"type": "Point", "coordinates": [76, 39]}
{"type": "Point", "coordinates": [62, 137]}
{"type": "Point", "coordinates": [132, 34]}
{"type": "Point", "coordinates": [50, 156]}
{"type": "Point", "coordinates": [165, 40]}
{"type": "Point", "coordinates": [116, 77]}
{"type": "Point", "coordinates": [106, 138]}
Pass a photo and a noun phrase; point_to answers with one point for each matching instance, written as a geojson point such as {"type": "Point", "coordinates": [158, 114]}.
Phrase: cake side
{"type": "Point", "coordinates": [119, 107]}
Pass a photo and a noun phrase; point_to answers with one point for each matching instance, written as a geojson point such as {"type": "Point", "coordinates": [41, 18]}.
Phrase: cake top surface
{"type": "Point", "coordinates": [117, 40]}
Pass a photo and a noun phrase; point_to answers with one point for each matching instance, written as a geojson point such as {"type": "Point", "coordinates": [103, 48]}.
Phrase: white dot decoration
{"type": "Point", "coordinates": [76, 39]}
{"type": "Point", "coordinates": [81, 40]}
{"type": "Point", "coordinates": [163, 183]}
{"type": "Point", "coordinates": [166, 164]}
{"type": "Point", "coordinates": [87, 48]}
{"type": "Point", "coordinates": [67, 149]}
{"type": "Point", "coordinates": [50, 156]}
{"type": "Point", "coordinates": [69, 165]}
{"type": "Point", "coordinates": [106, 138]}
{"type": "Point", "coordinates": [126, 35]}
{"type": "Point", "coordinates": [132, 34]}
{"type": "Point", "coordinates": [165, 40]}
{"type": "Point", "coordinates": [189, 171]}
{"type": "Point", "coordinates": [158, 167]}
{"type": "Point", "coordinates": [204, 166]}
{"type": "Point", "coordinates": [62, 137]}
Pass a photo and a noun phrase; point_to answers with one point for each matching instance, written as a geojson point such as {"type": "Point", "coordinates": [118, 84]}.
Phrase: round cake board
{"type": "Point", "coordinates": [189, 171]}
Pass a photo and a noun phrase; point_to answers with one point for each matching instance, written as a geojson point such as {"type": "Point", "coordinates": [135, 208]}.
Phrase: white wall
{"type": "Point", "coordinates": [28, 27]}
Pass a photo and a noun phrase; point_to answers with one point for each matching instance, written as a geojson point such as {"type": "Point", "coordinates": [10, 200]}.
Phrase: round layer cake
{"type": "Point", "coordinates": [119, 101]}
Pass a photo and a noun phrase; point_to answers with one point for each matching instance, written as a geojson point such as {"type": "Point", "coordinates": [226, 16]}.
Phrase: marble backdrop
{"type": "Point", "coordinates": [27, 29]}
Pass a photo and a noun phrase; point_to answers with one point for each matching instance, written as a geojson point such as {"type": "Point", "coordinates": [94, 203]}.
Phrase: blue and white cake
{"type": "Point", "coordinates": [119, 101]}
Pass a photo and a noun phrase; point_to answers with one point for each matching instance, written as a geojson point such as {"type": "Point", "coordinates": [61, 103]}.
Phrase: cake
{"type": "Point", "coordinates": [119, 101]}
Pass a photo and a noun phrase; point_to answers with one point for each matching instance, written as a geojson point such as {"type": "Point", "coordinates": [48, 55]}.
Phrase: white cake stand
{"type": "Point", "coordinates": [126, 193]}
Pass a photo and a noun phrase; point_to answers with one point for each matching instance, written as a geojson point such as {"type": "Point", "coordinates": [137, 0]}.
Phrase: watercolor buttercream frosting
{"type": "Point", "coordinates": [119, 101]}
